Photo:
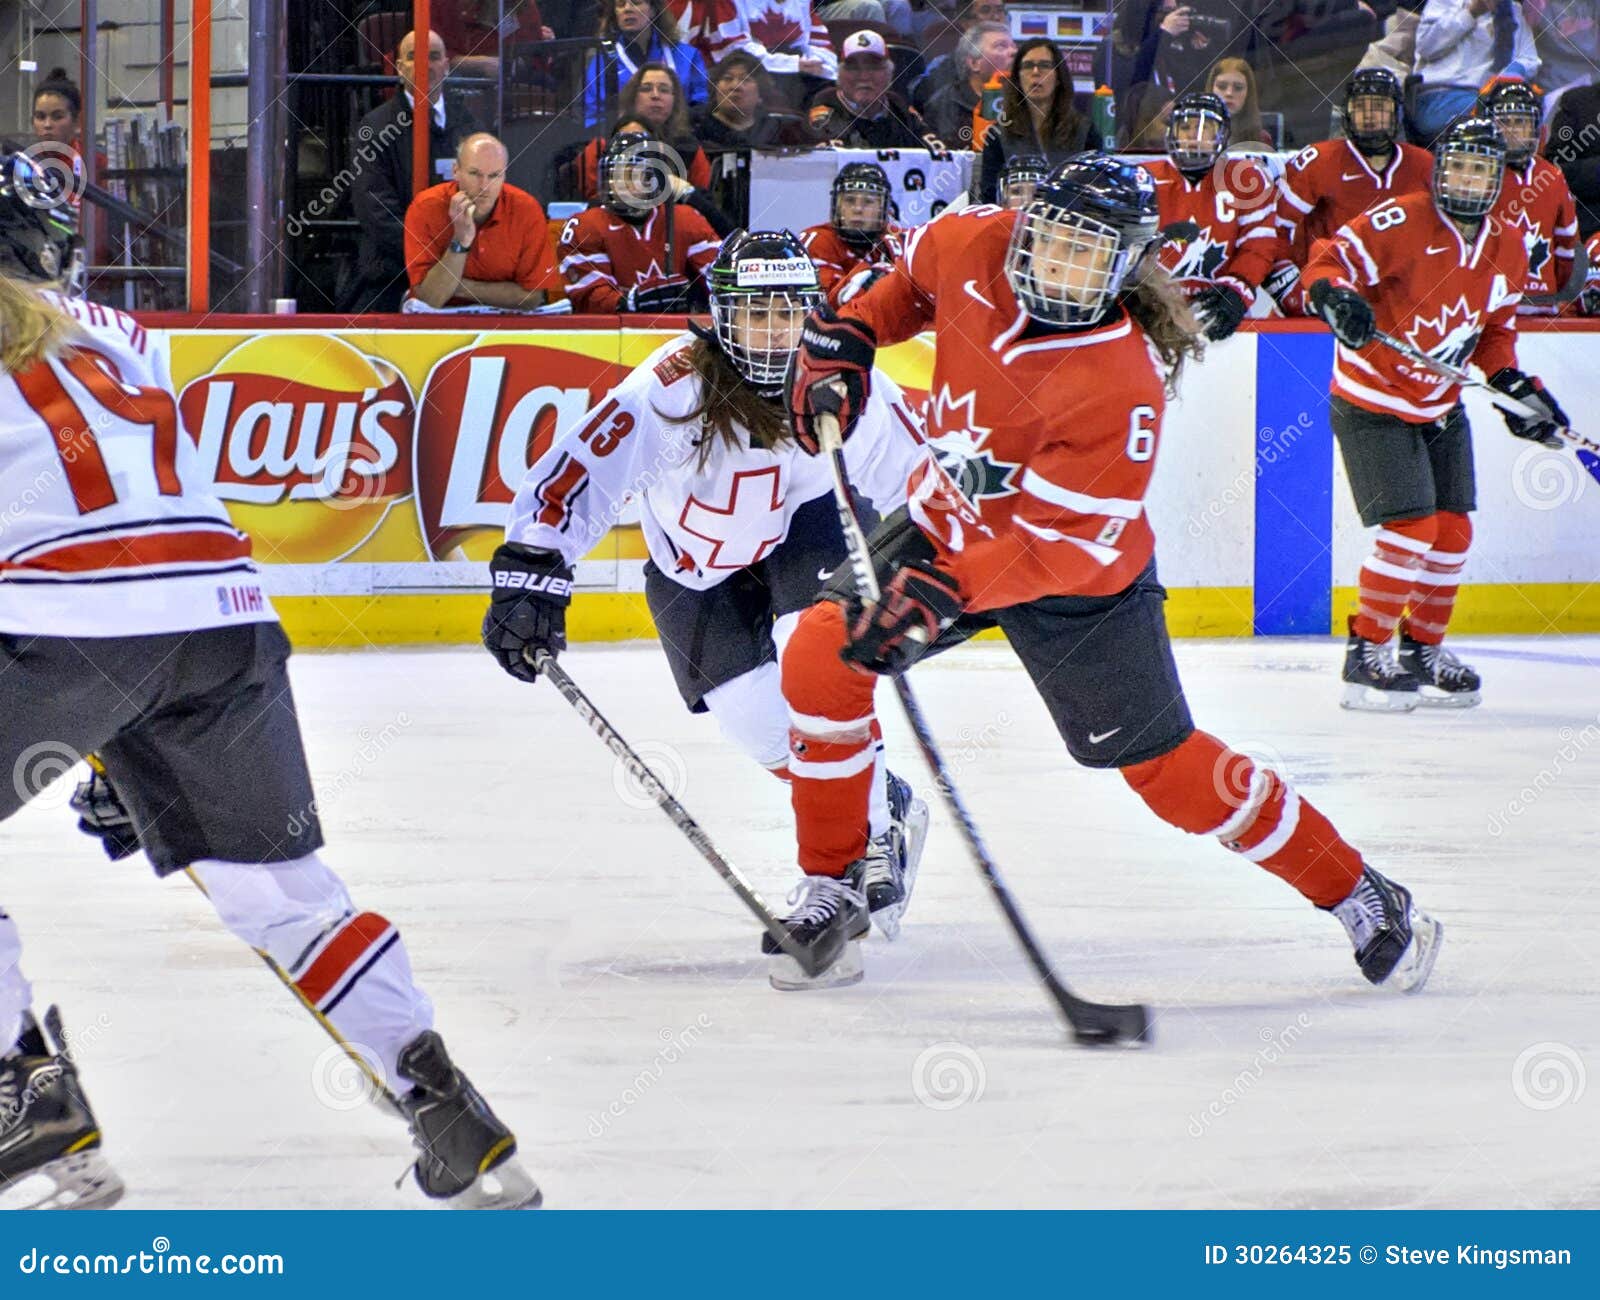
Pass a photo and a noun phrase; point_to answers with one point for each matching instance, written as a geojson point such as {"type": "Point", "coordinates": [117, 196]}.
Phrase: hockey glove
{"type": "Point", "coordinates": [1530, 392]}
{"type": "Point", "coordinates": [1348, 314]}
{"type": "Point", "coordinates": [1284, 288]}
{"type": "Point", "coordinates": [669, 295]}
{"type": "Point", "coordinates": [918, 603]}
{"type": "Point", "coordinates": [1220, 308]}
{"type": "Point", "coordinates": [830, 374]}
{"type": "Point", "coordinates": [101, 814]}
{"type": "Point", "coordinates": [528, 609]}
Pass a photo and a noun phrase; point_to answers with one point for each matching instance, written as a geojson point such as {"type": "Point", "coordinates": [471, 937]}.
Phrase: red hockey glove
{"type": "Point", "coordinates": [1528, 390]}
{"type": "Point", "coordinates": [830, 374]}
{"type": "Point", "coordinates": [918, 604]}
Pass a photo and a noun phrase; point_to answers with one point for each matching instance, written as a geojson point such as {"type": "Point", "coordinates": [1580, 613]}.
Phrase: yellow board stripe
{"type": "Point", "coordinates": [1506, 608]}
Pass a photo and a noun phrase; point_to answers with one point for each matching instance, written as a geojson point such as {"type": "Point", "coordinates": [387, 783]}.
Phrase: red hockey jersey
{"type": "Point", "coordinates": [714, 27]}
{"type": "Point", "coordinates": [837, 261]}
{"type": "Point", "coordinates": [1047, 437]}
{"type": "Point", "coordinates": [1537, 204]}
{"type": "Point", "coordinates": [1427, 285]}
{"type": "Point", "coordinates": [1328, 183]}
{"type": "Point", "coordinates": [602, 256]}
{"type": "Point", "coordinates": [1234, 206]}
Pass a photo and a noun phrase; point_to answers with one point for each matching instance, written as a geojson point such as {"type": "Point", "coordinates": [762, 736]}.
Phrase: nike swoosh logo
{"type": "Point", "coordinates": [824, 574]}
{"type": "Point", "coordinates": [1443, 248]}
{"type": "Point", "coordinates": [1350, 176]}
{"type": "Point", "coordinates": [971, 286]}
{"type": "Point", "coordinates": [1096, 738]}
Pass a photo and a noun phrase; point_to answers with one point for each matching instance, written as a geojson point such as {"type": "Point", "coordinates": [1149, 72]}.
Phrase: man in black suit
{"type": "Point", "coordinates": [380, 158]}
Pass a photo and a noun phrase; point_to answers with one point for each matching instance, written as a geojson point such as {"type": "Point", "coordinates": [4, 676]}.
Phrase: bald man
{"type": "Point", "coordinates": [478, 241]}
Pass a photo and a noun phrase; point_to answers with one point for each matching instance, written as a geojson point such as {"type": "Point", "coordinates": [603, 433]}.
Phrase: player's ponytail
{"type": "Point", "coordinates": [728, 404]}
{"type": "Point", "coordinates": [1160, 310]}
{"type": "Point", "coordinates": [31, 326]}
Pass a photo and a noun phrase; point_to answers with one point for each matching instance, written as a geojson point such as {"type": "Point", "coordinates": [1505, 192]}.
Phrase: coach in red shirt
{"type": "Point", "coordinates": [477, 240]}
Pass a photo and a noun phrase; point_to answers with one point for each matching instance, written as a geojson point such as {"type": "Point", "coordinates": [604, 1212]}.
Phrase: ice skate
{"type": "Point", "coordinates": [1374, 682]}
{"type": "Point", "coordinates": [466, 1156]}
{"type": "Point", "coordinates": [831, 917]}
{"type": "Point", "coordinates": [1396, 942]}
{"type": "Point", "coordinates": [1443, 681]}
{"type": "Point", "coordinates": [889, 869]}
{"type": "Point", "coordinates": [50, 1157]}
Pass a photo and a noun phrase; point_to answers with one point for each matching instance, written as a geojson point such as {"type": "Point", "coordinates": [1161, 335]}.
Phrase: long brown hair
{"type": "Point", "coordinates": [661, 19]}
{"type": "Point", "coordinates": [1159, 308]}
{"type": "Point", "coordinates": [1246, 123]}
{"type": "Point", "coordinates": [728, 404]}
{"type": "Point", "coordinates": [1062, 121]}
{"type": "Point", "coordinates": [677, 126]}
{"type": "Point", "coordinates": [31, 326]}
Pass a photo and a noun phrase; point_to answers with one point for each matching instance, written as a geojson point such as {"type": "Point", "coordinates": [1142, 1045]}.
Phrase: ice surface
{"type": "Point", "coordinates": [603, 987]}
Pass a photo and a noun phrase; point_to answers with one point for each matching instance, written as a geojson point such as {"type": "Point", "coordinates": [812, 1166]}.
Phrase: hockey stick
{"type": "Point", "coordinates": [814, 960]}
{"type": "Point", "coordinates": [1588, 450]}
{"type": "Point", "coordinates": [1572, 290]}
{"type": "Point", "coordinates": [1092, 1023]}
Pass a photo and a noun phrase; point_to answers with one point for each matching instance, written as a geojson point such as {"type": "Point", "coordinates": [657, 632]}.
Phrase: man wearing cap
{"type": "Point", "coordinates": [860, 111]}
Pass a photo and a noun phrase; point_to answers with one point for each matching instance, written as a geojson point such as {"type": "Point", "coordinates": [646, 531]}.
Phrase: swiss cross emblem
{"type": "Point", "coordinates": [742, 530]}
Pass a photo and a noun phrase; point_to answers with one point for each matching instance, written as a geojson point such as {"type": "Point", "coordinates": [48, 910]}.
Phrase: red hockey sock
{"type": "Point", "coordinates": [1433, 598]}
{"type": "Point", "coordinates": [1390, 573]}
{"type": "Point", "coordinates": [1206, 788]}
{"type": "Point", "coordinates": [833, 739]}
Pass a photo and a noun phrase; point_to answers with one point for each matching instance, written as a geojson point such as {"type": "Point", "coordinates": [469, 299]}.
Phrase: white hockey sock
{"type": "Point", "coordinates": [16, 994]}
{"type": "Point", "coordinates": [751, 712]}
{"type": "Point", "coordinates": [878, 796]}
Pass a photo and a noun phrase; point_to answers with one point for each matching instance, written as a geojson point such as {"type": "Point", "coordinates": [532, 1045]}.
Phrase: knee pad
{"type": "Point", "coordinates": [281, 908]}
{"type": "Point", "coordinates": [816, 682]}
{"type": "Point", "coordinates": [1202, 786]}
{"type": "Point", "coordinates": [751, 713]}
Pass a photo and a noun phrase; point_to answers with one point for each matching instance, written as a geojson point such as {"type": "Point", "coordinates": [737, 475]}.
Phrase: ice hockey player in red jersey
{"type": "Point", "coordinates": [640, 250]}
{"type": "Point", "coordinates": [1019, 178]}
{"type": "Point", "coordinates": [133, 624]}
{"type": "Point", "coordinates": [1058, 340]}
{"type": "Point", "coordinates": [857, 243]}
{"type": "Point", "coordinates": [1535, 201]}
{"type": "Point", "coordinates": [1328, 183]}
{"type": "Point", "coordinates": [1230, 203]}
{"type": "Point", "coordinates": [740, 524]}
{"type": "Point", "coordinates": [1440, 273]}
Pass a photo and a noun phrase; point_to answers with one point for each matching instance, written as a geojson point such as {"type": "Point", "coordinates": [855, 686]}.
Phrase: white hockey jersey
{"type": "Point", "coordinates": [701, 524]}
{"type": "Point", "coordinates": [107, 523]}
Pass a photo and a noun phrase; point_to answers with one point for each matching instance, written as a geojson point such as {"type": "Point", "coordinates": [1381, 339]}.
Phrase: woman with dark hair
{"type": "Point", "coordinates": [57, 105]}
{"type": "Point", "coordinates": [653, 99]}
{"type": "Point", "coordinates": [645, 31]}
{"type": "Point", "coordinates": [738, 116]}
{"type": "Point", "coordinates": [1038, 116]}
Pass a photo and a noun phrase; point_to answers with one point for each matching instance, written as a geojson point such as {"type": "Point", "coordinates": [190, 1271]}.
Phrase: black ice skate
{"type": "Point", "coordinates": [1444, 682]}
{"type": "Point", "coordinates": [889, 869]}
{"type": "Point", "coordinates": [465, 1154]}
{"type": "Point", "coordinates": [50, 1157]}
{"type": "Point", "coordinates": [1374, 682]}
{"type": "Point", "coordinates": [831, 918]}
{"type": "Point", "coordinates": [1396, 942]}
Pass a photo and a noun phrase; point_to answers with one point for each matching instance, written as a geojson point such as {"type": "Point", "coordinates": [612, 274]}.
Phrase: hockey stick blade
{"type": "Point", "coordinates": [1092, 1023]}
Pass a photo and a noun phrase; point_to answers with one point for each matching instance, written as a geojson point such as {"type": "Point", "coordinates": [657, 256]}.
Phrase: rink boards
{"type": "Point", "coordinates": [374, 469]}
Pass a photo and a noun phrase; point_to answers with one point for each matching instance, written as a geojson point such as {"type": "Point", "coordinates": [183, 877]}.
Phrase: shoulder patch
{"type": "Point", "coordinates": [673, 367]}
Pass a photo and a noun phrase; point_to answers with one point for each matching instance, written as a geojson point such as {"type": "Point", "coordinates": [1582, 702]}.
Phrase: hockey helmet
{"type": "Point", "coordinates": [636, 172]}
{"type": "Point", "coordinates": [38, 234]}
{"type": "Point", "coordinates": [1198, 131]}
{"type": "Point", "coordinates": [859, 203]}
{"type": "Point", "coordinates": [1514, 107]}
{"type": "Point", "coordinates": [762, 285]}
{"type": "Point", "coordinates": [1020, 178]}
{"type": "Point", "coordinates": [1469, 163]}
{"type": "Point", "coordinates": [1371, 110]}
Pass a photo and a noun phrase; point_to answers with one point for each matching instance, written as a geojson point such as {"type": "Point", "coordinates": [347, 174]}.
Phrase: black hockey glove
{"type": "Point", "coordinates": [830, 374]}
{"type": "Point", "coordinates": [1283, 286]}
{"type": "Point", "coordinates": [1220, 308]}
{"type": "Point", "coordinates": [101, 814]}
{"type": "Point", "coordinates": [1348, 314]}
{"type": "Point", "coordinates": [918, 603]}
{"type": "Point", "coordinates": [1531, 392]}
{"type": "Point", "coordinates": [528, 609]}
{"type": "Point", "coordinates": [669, 295]}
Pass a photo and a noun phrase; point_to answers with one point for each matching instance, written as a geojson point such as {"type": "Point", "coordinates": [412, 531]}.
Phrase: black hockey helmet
{"type": "Point", "coordinates": [636, 173]}
{"type": "Point", "coordinates": [1514, 107]}
{"type": "Point", "coordinates": [1369, 84]}
{"type": "Point", "coordinates": [1191, 147]}
{"type": "Point", "coordinates": [762, 285]}
{"type": "Point", "coordinates": [38, 232]}
{"type": "Point", "coordinates": [1091, 222]}
{"type": "Point", "coordinates": [1469, 163]}
{"type": "Point", "coordinates": [866, 179]}
{"type": "Point", "coordinates": [1019, 179]}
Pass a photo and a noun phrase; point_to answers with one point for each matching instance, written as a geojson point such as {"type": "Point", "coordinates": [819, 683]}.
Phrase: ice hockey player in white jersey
{"type": "Point", "coordinates": [133, 624]}
{"type": "Point", "coordinates": [739, 522]}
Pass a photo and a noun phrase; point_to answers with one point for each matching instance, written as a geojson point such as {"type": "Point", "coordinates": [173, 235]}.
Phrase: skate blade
{"type": "Point", "coordinates": [1416, 963]}
{"type": "Point", "coordinates": [1367, 699]}
{"type": "Point", "coordinates": [507, 1186]}
{"type": "Point", "coordinates": [82, 1182]}
{"type": "Point", "coordinates": [888, 919]}
{"type": "Point", "coordinates": [1430, 697]}
{"type": "Point", "coordinates": [785, 974]}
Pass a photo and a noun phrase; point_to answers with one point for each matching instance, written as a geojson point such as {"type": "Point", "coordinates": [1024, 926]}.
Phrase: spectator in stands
{"type": "Point", "coordinates": [1038, 116]}
{"type": "Point", "coordinates": [861, 112]}
{"type": "Point", "coordinates": [477, 241]}
{"type": "Point", "coordinates": [1566, 34]}
{"type": "Point", "coordinates": [792, 45]}
{"type": "Point", "coordinates": [892, 14]}
{"type": "Point", "coordinates": [380, 159]}
{"type": "Point", "coordinates": [738, 115]}
{"type": "Point", "coordinates": [473, 30]}
{"type": "Point", "coordinates": [638, 250]}
{"type": "Point", "coordinates": [1573, 145]}
{"type": "Point", "coordinates": [1461, 44]}
{"type": "Point", "coordinates": [57, 106]}
{"type": "Point", "coordinates": [1233, 81]}
{"type": "Point", "coordinates": [654, 98]}
{"type": "Point", "coordinates": [1157, 41]}
{"type": "Point", "coordinates": [939, 41]}
{"type": "Point", "coordinates": [1151, 105]}
{"type": "Point", "coordinates": [984, 50]}
{"type": "Point", "coordinates": [645, 31]}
